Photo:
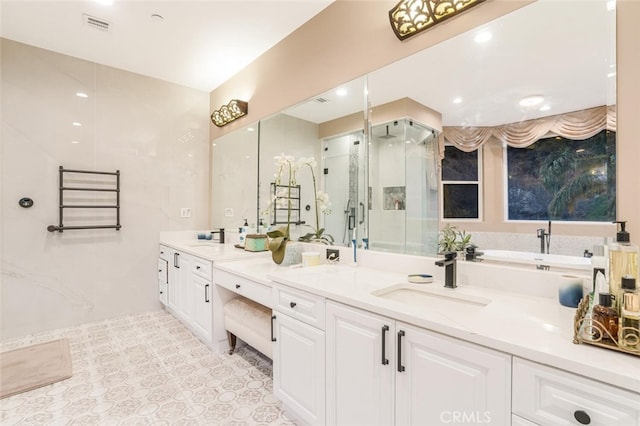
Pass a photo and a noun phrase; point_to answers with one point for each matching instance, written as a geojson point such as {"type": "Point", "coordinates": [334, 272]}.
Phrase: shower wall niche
{"type": "Point", "coordinates": [403, 188]}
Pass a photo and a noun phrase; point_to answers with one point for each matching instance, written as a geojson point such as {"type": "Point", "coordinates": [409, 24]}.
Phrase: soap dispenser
{"type": "Point", "coordinates": [244, 229]}
{"type": "Point", "coordinates": [623, 262]}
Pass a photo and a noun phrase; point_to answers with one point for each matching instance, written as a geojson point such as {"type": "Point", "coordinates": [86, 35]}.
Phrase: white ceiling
{"type": "Point", "coordinates": [563, 50]}
{"type": "Point", "coordinates": [199, 44]}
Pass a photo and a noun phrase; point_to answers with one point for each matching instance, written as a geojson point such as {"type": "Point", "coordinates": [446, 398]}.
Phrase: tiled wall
{"type": "Point", "coordinates": [154, 132]}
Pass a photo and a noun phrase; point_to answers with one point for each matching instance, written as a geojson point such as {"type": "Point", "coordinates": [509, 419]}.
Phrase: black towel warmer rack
{"type": "Point", "coordinates": [62, 206]}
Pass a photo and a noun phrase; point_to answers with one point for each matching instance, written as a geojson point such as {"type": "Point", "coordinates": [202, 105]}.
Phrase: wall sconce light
{"type": "Point", "coordinates": [410, 17]}
{"type": "Point", "coordinates": [227, 113]}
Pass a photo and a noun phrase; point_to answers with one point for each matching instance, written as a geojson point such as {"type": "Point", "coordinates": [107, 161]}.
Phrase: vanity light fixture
{"type": "Point", "coordinates": [410, 17]}
{"type": "Point", "coordinates": [227, 113]}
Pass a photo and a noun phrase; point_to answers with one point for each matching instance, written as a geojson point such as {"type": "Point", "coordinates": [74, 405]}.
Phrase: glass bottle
{"type": "Point", "coordinates": [605, 318]}
{"type": "Point", "coordinates": [623, 263]}
{"type": "Point", "coordinates": [629, 329]}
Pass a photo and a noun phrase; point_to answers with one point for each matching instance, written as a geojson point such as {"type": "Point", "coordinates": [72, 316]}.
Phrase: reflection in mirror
{"type": "Point", "coordinates": [476, 81]}
{"type": "Point", "coordinates": [234, 175]}
{"type": "Point", "coordinates": [325, 128]}
{"type": "Point", "coordinates": [404, 188]}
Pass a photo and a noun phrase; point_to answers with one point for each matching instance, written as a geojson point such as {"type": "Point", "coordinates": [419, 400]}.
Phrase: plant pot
{"type": "Point", "coordinates": [292, 254]}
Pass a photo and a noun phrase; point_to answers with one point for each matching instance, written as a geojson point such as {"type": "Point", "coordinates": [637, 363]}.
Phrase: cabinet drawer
{"type": "Point", "coordinates": [300, 305]}
{"type": "Point", "coordinates": [164, 253]}
{"type": "Point", "coordinates": [549, 396]}
{"type": "Point", "coordinates": [202, 268]}
{"type": "Point", "coordinates": [250, 289]}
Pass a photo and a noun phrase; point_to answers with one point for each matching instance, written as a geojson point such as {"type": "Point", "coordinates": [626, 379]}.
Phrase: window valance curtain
{"type": "Point", "coordinates": [574, 125]}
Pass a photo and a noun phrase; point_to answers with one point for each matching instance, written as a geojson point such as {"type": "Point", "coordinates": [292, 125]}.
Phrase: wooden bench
{"type": "Point", "coordinates": [251, 322]}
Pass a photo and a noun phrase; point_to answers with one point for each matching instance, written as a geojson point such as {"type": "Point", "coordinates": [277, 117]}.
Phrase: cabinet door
{"type": "Point", "coordinates": [185, 288]}
{"type": "Point", "coordinates": [175, 273]}
{"type": "Point", "coordinates": [360, 367]}
{"type": "Point", "coordinates": [441, 380]}
{"type": "Point", "coordinates": [298, 368]}
{"type": "Point", "coordinates": [202, 307]}
{"type": "Point", "coordinates": [163, 279]}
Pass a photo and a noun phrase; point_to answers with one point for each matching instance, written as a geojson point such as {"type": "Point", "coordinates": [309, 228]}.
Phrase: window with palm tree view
{"type": "Point", "coordinates": [563, 179]}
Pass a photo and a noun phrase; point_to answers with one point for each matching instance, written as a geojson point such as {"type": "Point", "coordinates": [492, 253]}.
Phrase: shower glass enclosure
{"type": "Point", "coordinates": [344, 158]}
{"type": "Point", "coordinates": [403, 188]}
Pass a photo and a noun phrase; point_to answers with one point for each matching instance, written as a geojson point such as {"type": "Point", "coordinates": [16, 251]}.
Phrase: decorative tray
{"type": "Point", "coordinates": [590, 331]}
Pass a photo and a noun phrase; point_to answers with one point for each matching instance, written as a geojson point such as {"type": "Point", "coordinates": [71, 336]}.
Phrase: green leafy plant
{"type": "Point", "coordinates": [453, 239]}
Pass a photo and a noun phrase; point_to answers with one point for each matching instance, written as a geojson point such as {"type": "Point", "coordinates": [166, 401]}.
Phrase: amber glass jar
{"type": "Point", "coordinates": [606, 317]}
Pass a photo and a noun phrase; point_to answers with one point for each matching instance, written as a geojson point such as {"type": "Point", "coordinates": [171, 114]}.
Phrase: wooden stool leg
{"type": "Point", "coordinates": [232, 342]}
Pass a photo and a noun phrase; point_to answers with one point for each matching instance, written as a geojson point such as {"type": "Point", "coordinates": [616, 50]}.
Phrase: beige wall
{"type": "Point", "coordinates": [312, 60]}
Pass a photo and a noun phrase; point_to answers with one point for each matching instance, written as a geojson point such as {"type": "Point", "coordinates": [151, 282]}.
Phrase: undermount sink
{"type": "Point", "coordinates": [427, 295]}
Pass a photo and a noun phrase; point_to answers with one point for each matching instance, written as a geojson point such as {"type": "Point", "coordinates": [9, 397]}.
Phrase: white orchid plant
{"type": "Point", "coordinates": [287, 167]}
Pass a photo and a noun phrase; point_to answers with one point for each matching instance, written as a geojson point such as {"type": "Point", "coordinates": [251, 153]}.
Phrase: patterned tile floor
{"type": "Point", "coordinates": [147, 370]}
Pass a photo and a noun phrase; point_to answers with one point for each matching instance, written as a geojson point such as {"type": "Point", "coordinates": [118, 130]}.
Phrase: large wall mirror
{"type": "Point", "coordinates": [383, 175]}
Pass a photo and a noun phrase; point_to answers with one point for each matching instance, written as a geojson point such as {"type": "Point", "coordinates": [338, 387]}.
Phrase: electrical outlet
{"type": "Point", "coordinates": [333, 254]}
{"type": "Point", "coordinates": [185, 212]}
{"type": "Point", "coordinates": [228, 212]}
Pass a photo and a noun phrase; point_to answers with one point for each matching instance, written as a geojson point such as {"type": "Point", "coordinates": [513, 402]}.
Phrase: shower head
{"type": "Point", "coordinates": [387, 136]}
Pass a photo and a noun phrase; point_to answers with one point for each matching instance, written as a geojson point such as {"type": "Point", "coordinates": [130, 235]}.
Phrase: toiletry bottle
{"type": "Point", "coordinates": [623, 262]}
{"type": "Point", "coordinates": [243, 233]}
{"type": "Point", "coordinates": [629, 327]}
{"type": "Point", "coordinates": [605, 318]}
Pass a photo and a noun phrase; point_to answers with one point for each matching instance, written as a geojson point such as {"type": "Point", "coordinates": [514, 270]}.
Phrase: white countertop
{"type": "Point", "coordinates": [525, 325]}
{"type": "Point", "coordinates": [534, 328]}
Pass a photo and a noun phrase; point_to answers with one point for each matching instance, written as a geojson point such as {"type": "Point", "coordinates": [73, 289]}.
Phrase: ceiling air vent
{"type": "Point", "coordinates": [92, 21]}
{"type": "Point", "coordinates": [322, 100]}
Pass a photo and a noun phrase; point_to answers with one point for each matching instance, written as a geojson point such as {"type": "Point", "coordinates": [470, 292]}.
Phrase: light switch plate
{"type": "Point", "coordinates": [185, 212]}
{"type": "Point", "coordinates": [228, 212]}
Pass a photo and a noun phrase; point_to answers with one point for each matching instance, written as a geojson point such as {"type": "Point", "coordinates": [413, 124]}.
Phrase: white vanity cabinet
{"type": "Point", "coordinates": [548, 396]}
{"type": "Point", "coordinates": [163, 275]}
{"type": "Point", "coordinates": [189, 290]}
{"type": "Point", "coordinates": [380, 371]}
{"type": "Point", "coordinates": [200, 285]}
{"type": "Point", "coordinates": [299, 353]}
{"type": "Point", "coordinates": [360, 367]}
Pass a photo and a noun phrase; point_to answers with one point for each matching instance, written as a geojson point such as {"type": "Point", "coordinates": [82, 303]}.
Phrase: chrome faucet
{"type": "Point", "coordinates": [449, 263]}
{"type": "Point", "coordinates": [545, 237]}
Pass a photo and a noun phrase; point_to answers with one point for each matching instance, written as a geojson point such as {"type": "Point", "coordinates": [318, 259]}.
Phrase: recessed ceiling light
{"type": "Point", "coordinates": [74, 142]}
{"type": "Point", "coordinates": [82, 95]}
{"type": "Point", "coordinates": [530, 101]}
{"type": "Point", "coordinates": [75, 123]}
{"type": "Point", "coordinates": [104, 2]}
{"type": "Point", "coordinates": [157, 18]}
{"type": "Point", "coordinates": [545, 107]}
{"type": "Point", "coordinates": [457, 100]}
{"type": "Point", "coordinates": [483, 37]}
{"type": "Point", "coordinates": [341, 92]}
